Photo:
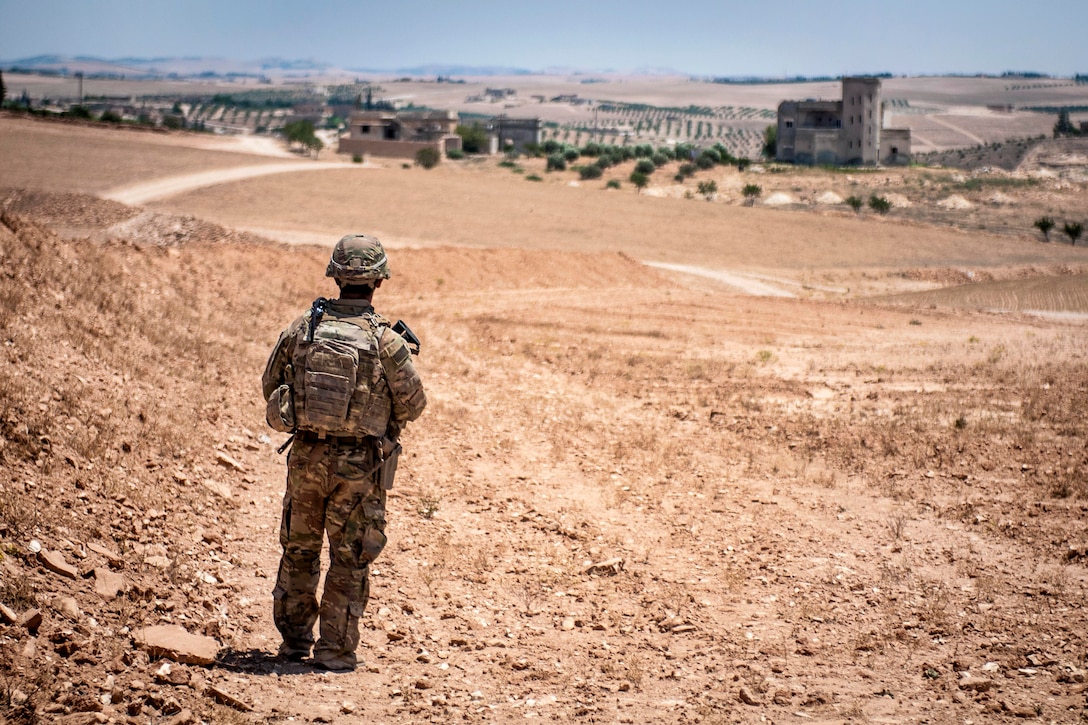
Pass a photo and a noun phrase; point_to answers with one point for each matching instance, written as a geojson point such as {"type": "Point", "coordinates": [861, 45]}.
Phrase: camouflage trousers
{"type": "Point", "coordinates": [329, 491]}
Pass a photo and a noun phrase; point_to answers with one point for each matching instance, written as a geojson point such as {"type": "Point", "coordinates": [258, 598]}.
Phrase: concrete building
{"type": "Point", "coordinates": [514, 133]}
{"type": "Point", "coordinates": [400, 133]}
{"type": "Point", "coordinates": [843, 132]}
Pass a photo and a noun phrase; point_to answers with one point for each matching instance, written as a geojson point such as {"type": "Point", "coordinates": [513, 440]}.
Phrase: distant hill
{"type": "Point", "coordinates": [202, 67]}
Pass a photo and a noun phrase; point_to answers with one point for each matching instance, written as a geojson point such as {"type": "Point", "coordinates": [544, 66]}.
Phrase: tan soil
{"type": "Point", "coordinates": [636, 496]}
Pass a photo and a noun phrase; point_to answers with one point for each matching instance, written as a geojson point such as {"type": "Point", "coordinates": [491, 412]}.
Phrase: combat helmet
{"type": "Point", "coordinates": [358, 259]}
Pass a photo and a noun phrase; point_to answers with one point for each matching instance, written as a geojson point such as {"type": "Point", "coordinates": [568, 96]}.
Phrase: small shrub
{"type": "Point", "coordinates": [110, 117]}
{"type": "Point", "coordinates": [455, 154]}
{"type": "Point", "coordinates": [557, 162]}
{"type": "Point", "coordinates": [645, 166]}
{"type": "Point", "coordinates": [612, 184]}
{"type": "Point", "coordinates": [428, 505]}
{"type": "Point", "coordinates": [590, 171]}
{"type": "Point", "coordinates": [428, 158]}
{"type": "Point", "coordinates": [591, 149]}
{"type": "Point", "coordinates": [507, 164]}
{"type": "Point", "coordinates": [659, 159]}
{"type": "Point", "coordinates": [879, 204]}
{"type": "Point", "coordinates": [708, 189]}
{"type": "Point", "coordinates": [1073, 231]}
{"type": "Point", "coordinates": [356, 158]}
{"type": "Point", "coordinates": [751, 193]}
{"type": "Point", "coordinates": [571, 154]}
{"type": "Point", "coordinates": [533, 177]}
{"type": "Point", "coordinates": [855, 203]}
{"type": "Point", "coordinates": [743, 163]}
{"type": "Point", "coordinates": [1044, 224]}
{"type": "Point", "coordinates": [639, 180]}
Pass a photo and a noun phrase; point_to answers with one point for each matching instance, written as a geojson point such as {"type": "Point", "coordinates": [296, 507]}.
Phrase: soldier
{"type": "Point", "coordinates": [342, 381]}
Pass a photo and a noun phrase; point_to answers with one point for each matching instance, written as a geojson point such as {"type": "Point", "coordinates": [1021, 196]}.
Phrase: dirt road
{"type": "Point", "coordinates": [145, 191]}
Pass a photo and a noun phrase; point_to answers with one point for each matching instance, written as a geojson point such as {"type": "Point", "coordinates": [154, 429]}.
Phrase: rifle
{"type": "Point", "coordinates": [317, 310]}
{"type": "Point", "coordinates": [402, 329]}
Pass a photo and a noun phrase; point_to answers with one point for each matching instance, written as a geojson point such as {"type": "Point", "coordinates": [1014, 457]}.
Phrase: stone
{"type": "Point", "coordinates": [54, 561]}
{"type": "Point", "coordinates": [568, 624]}
{"type": "Point", "coordinates": [7, 615]}
{"type": "Point", "coordinates": [221, 490]}
{"type": "Point", "coordinates": [976, 684]}
{"type": "Point", "coordinates": [224, 460]}
{"type": "Point", "coordinates": [111, 557]}
{"type": "Point", "coordinates": [609, 567]}
{"type": "Point", "coordinates": [31, 619]}
{"type": "Point", "coordinates": [747, 697]}
{"type": "Point", "coordinates": [1018, 710]}
{"type": "Point", "coordinates": [225, 698]}
{"type": "Point", "coordinates": [185, 717]}
{"type": "Point", "coordinates": [108, 584]}
{"type": "Point", "coordinates": [67, 606]}
{"type": "Point", "coordinates": [174, 643]}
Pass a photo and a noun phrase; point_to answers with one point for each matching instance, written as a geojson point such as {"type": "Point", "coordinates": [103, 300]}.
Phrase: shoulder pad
{"type": "Point", "coordinates": [393, 347]}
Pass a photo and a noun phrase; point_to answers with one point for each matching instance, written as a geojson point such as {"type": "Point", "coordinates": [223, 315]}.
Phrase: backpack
{"type": "Point", "coordinates": [339, 385]}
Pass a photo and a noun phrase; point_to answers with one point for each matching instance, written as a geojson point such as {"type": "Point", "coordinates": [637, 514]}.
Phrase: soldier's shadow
{"type": "Point", "coordinates": [259, 662]}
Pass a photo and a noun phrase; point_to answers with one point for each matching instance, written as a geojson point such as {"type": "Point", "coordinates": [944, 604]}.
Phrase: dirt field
{"type": "Point", "coordinates": [636, 495]}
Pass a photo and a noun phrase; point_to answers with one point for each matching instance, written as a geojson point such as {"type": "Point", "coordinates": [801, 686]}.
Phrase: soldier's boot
{"type": "Point", "coordinates": [342, 604]}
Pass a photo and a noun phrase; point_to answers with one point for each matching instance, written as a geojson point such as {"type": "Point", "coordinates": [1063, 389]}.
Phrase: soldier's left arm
{"type": "Point", "coordinates": [404, 382]}
{"type": "Point", "coordinates": [275, 370]}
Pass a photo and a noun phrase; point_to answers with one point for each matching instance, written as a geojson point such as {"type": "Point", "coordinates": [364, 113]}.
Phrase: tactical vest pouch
{"type": "Point", "coordinates": [339, 385]}
{"type": "Point", "coordinates": [328, 381]}
{"type": "Point", "coordinates": [280, 412]}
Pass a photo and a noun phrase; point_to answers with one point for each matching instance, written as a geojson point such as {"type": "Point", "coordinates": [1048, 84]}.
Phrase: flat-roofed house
{"type": "Point", "coordinates": [400, 133]}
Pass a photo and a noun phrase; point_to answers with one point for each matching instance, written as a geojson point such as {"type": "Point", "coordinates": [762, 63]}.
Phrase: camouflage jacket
{"type": "Point", "coordinates": [404, 382]}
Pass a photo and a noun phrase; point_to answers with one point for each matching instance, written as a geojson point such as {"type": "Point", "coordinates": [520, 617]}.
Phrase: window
{"type": "Point", "coordinates": [364, 129]}
{"type": "Point", "coordinates": [789, 123]}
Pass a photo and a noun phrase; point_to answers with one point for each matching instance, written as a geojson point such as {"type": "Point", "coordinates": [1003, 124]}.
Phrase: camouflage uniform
{"type": "Point", "coordinates": [334, 488]}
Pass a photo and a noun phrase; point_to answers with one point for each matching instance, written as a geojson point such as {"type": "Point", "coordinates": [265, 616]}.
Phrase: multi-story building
{"type": "Point", "coordinates": [847, 131]}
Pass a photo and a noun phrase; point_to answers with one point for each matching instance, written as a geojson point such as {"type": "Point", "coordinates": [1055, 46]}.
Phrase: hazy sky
{"type": "Point", "coordinates": [810, 37]}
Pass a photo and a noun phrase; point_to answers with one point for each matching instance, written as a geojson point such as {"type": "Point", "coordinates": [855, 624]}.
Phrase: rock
{"type": "Point", "coordinates": [113, 558]}
{"type": "Point", "coordinates": [159, 562]}
{"type": "Point", "coordinates": [67, 606]}
{"type": "Point", "coordinates": [185, 717]}
{"type": "Point", "coordinates": [610, 567]}
{"type": "Point", "coordinates": [347, 707]}
{"type": "Point", "coordinates": [31, 619]}
{"type": "Point", "coordinates": [224, 460]}
{"type": "Point", "coordinates": [568, 624]}
{"type": "Point", "coordinates": [174, 643]}
{"type": "Point", "coordinates": [82, 718]}
{"type": "Point", "coordinates": [219, 489]}
{"type": "Point", "coordinates": [54, 562]}
{"type": "Point", "coordinates": [8, 616]}
{"type": "Point", "coordinates": [1018, 710]}
{"type": "Point", "coordinates": [108, 584]}
{"type": "Point", "coordinates": [225, 698]}
{"type": "Point", "coordinates": [976, 684]}
{"type": "Point", "coordinates": [747, 697]}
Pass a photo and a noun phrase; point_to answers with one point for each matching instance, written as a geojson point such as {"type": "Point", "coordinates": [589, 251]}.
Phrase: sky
{"type": "Point", "coordinates": [699, 37]}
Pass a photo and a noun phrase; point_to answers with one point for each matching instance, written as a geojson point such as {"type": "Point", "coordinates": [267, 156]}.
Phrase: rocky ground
{"type": "Point", "coordinates": [635, 496]}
